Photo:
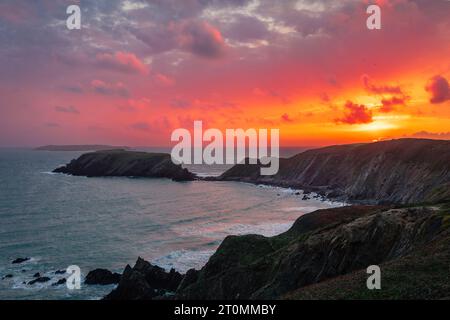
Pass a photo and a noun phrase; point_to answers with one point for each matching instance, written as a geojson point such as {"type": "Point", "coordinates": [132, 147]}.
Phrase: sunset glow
{"type": "Point", "coordinates": [137, 70]}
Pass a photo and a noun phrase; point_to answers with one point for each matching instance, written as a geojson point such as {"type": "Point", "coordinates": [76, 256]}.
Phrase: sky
{"type": "Point", "coordinates": [137, 70]}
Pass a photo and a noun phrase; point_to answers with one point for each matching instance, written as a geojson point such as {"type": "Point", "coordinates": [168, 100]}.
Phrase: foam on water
{"type": "Point", "coordinates": [183, 260]}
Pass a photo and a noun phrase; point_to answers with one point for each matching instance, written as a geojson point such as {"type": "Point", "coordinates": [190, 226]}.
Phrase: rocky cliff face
{"type": "Point", "coordinates": [322, 245]}
{"type": "Point", "coordinates": [126, 164]}
{"type": "Point", "coordinates": [396, 171]}
{"type": "Point", "coordinates": [144, 282]}
{"type": "Point", "coordinates": [324, 255]}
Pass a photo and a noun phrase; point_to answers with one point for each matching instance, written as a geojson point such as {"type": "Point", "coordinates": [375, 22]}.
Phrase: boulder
{"type": "Point", "coordinates": [20, 260]}
{"type": "Point", "coordinates": [59, 282]}
{"type": "Point", "coordinates": [39, 280]}
{"type": "Point", "coordinates": [145, 281]}
{"type": "Point", "coordinates": [102, 277]}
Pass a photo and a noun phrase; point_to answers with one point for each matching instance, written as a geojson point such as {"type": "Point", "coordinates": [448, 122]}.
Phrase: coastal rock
{"type": "Point", "coordinates": [190, 277]}
{"type": "Point", "coordinates": [8, 276]}
{"type": "Point", "coordinates": [59, 282]}
{"type": "Point", "coordinates": [36, 275]}
{"type": "Point", "coordinates": [121, 163]}
{"type": "Point", "coordinates": [402, 171]}
{"type": "Point", "coordinates": [145, 281]}
{"type": "Point", "coordinates": [20, 260]}
{"type": "Point", "coordinates": [39, 280]}
{"type": "Point", "coordinates": [102, 277]}
{"type": "Point", "coordinates": [60, 271]}
{"type": "Point", "coordinates": [319, 246]}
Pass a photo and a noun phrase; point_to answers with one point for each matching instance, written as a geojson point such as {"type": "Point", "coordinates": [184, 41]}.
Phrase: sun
{"type": "Point", "coordinates": [377, 125]}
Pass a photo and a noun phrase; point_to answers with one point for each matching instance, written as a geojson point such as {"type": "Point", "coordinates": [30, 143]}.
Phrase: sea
{"type": "Point", "coordinates": [59, 220]}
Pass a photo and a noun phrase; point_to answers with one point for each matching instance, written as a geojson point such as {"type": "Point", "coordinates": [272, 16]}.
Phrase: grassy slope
{"type": "Point", "coordinates": [423, 274]}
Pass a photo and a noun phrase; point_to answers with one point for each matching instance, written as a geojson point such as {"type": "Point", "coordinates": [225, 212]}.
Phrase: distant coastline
{"type": "Point", "coordinates": [88, 147]}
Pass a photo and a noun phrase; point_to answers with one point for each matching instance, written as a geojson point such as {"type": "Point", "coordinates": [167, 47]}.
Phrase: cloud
{"type": "Point", "coordinates": [324, 97]}
{"type": "Point", "coordinates": [68, 109]}
{"type": "Point", "coordinates": [381, 89]}
{"type": "Point", "coordinates": [73, 89]}
{"type": "Point", "coordinates": [126, 108]}
{"type": "Point", "coordinates": [285, 118]}
{"type": "Point", "coordinates": [155, 126]}
{"type": "Point", "coordinates": [202, 39]}
{"type": "Point", "coordinates": [271, 93]}
{"type": "Point", "coordinates": [141, 126]}
{"type": "Point", "coordinates": [439, 89]}
{"type": "Point", "coordinates": [431, 135]}
{"type": "Point", "coordinates": [143, 103]}
{"type": "Point", "coordinates": [388, 104]}
{"type": "Point", "coordinates": [246, 28]}
{"type": "Point", "coordinates": [131, 6]}
{"type": "Point", "coordinates": [180, 103]}
{"type": "Point", "coordinates": [109, 89]}
{"type": "Point", "coordinates": [356, 114]}
{"type": "Point", "coordinates": [122, 62]}
{"type": "Point", "coordinates": [164, 80]}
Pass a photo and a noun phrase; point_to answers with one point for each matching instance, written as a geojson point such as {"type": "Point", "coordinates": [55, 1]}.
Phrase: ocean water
{"type": "Point", "coordinates": [60, 220]}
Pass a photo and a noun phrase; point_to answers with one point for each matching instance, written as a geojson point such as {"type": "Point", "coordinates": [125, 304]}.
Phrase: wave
{"type": "Point", "coordinates": [183, 260]}
{"type": "Point", "coordinates": [219, 230]}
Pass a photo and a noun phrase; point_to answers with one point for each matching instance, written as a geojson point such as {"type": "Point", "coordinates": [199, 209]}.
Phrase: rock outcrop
{"type": "Point", "coordinates": [39, 280]}
{"type": "Point", "coordinates": [395, 171]}
{"type": "Point", "coordinates": [20, 260]}
{"type": "Point", "coordinates": [121, 163]}
{"type": "Point", "coordinates": [102, 277]}
{"type": "Point", "coordinates": [322, 245]}
{"type": "Point", "coordinates": [145, 281]}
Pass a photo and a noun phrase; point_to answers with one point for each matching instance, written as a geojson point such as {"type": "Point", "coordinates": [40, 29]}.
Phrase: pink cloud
{"type": "Point", "coordinates": [380, 89]}
{"type": "Point", "coordinates": [201, 38]}
{"type": "Point", "coordinates": [439, 89]}
{"type": "Point", "coordinates": [15, 12]}
{"type": "Point", "coordinates": [143, 103]}
{"type": "Point", "coordinates": [122, 62]}
{"type": "Point", "coordinates": [109, 89]}
{"type": "Point", "coordinates": [164, 80]}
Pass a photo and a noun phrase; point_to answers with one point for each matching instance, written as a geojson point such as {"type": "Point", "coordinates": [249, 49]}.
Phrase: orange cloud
{"type": "Point", "coordinates": [356, 114]}
{"type": "Point", "coordinates": [380, 89]}
{"type": "Point", "coordinates": [388, 104]}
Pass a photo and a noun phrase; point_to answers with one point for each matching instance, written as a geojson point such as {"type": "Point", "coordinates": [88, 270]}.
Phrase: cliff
{"type": "Point", "coordinates": [395, 171]}
{"type": "Point", "coordinates": [123, 163]}
{"type": "Point", "coordinates": [324, 255]}
{"type": "Point", "coordinates": [329, 250]}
